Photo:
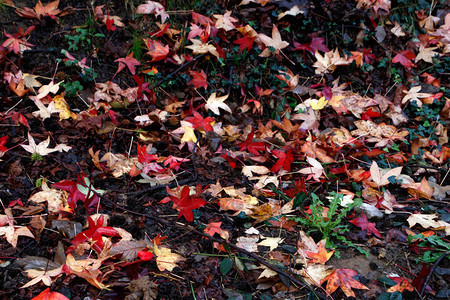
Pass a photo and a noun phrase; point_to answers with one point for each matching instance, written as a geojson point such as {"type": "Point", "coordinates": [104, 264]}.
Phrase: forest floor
{"type": "Point", "coordinates": [224, 150]}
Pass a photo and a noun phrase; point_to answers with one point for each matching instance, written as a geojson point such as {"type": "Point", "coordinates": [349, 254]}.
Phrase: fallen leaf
{"type": "Point", "coordinates": [382, 178]}
{"type": "Point", "coordinates": [271, 242]}
{"type": "Point", "coordinates": [344, 278]}
{"type": "Point", "coordinates": [321, 257]}
{"type": "Point", "coordinates": [225, 21]}
{"type": "Point", "coordinates": [214, 103]}
{"type": "Point", "coordinates": [274, 42]}
{"type": "Point", "coordinates": [427, 221]}
{"type": "Point", "coordinates": [165, 259]}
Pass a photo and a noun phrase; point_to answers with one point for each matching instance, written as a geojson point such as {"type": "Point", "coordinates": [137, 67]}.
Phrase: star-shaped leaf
{"type": "Point", "coordinates": [274, 42]}
{"type": "Point", "coordinates": [214, 103]}
{"type": "Point", "coordinates": [321, 257]}
{"type": "Point", "coordinates": [129, 62]}
{"type": "Point", "coordinates": [344, 279]}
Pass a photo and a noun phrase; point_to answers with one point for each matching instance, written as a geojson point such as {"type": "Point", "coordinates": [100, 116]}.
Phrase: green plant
{"type": "Point", "coordinates": [84, 37]}
{"type": "Point", "coordinates": [437, 244]}
{"type": "Point", "coordinates": [72, 88]}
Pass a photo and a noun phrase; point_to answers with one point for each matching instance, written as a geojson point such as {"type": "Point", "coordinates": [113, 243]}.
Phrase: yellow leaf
{"type": "Point", "coordinates": [189, 135]}
{"type": "Point", "coordinates": [63, 108]}
{"type": "Point", "coordinates": [165, 259]}
{"type": "Point", "coordinates": [319, 104]}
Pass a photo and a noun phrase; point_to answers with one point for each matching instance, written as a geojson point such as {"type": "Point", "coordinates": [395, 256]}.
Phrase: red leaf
{"type": "Point", "coordinates": [199, 79]}
{"type": "Point", "coordinates": [245, 42]}
{"type": "Point", "coordinates": [367, 115]}
{"type": "Point", "coordinates": [364, 224]}
{"type": "Point", "coordinates": [128, 61]}
{"type": "Point", "coordinates": [157, 50]}
{"type": "Point", "coordinates": [110, 24]}
{"type": "Point", "coordinates": [252, 147]}
{"type": "Point", "coordinates": [90, 204]}
{"type": "Point", "coordinates": [185, 203]}
{"type": "Point", "coordinates": [198, 122]}
{"type": "Point", "coordinates": [317, 44]}
{"type": "Point", "coordinates": [47, 295]}
{"type": "Point", "coordinates": [144, 157]}
{"type": "Point", "coordinates": [145, 255]}
{"type": "Point", "coordinates": [285, 160]}
{"type": "Point", "coordinates": [3, 140]}
{"type": "Point", "coordinates": [404, 58]}
{"type": "Point", "coordinates": [19, 118]}
{"type": "Point", "coordinates": [94, 232]}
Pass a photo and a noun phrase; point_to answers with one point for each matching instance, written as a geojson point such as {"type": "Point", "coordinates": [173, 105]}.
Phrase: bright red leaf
{"type": "Point", "coordinates": [157, 50]}
{"type": "Point", "coordinates": [129, 62]}
{"type": "Point", "coordinates": [252, 147]}
{"type": "Point", "coordinates": [3, 140]}
{"type": "Point", "coordinates": [198, 122]}
{"type": "Point", "coordinates": [404, 58]}
{"type": "Point", "coordinates": [94, 232]}
{"type": "Point", "coordinates": [48, 295]}
{"type": "Point", "coordinates": [245, 42]}
{"type": "Point", "coordinates": [364, 224]}
{"type": "Point", "coordinates": [145, 255]}
{"type": "Point", "coordinates": [199, 79]}
{"type": "Point", "coordinates": [285, 159]}
{"type": "Point", "coordinates": [184, 202]}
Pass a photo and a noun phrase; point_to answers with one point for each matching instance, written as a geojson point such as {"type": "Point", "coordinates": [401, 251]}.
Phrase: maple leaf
{"type": "Point", "coordinates": [48, 88]}
{"type": "Point", "coordinates": [81, 189]}
{"type": "Point", "coordinates": [383, 179]}
{"type": "Point", "coordinates": [413, 94]}
{"type": "Point", "coordinates": [214, 227]}
{"type": "Point", "coordinates": [94, 233]}
{"type": "Point", "coordinates": [110, 21]}
{"type": "Point", "coordinates": [40, 10]}
{"type": "Point", "coordinates": [252, 147]}
{"type": "Point", "coordinates": [214, 103]}
{"type": "Point", "coordinates": [404, 58]}
{"type": "Point", "coordinates": [16, 42]}
{"type": "Point", "coordinates": [286, 125]}
{"type": "Point", "coordinates": [343, 278]}
{"type": "Point", "coordinates": [364, 224]}
{"type": "Point", "coordinates": [271, 242]}
{"type": "Point", "coordinates": [48, 295]}
{"type": "Point", "coordinates": [402, 285]}
{"type": "Point", "coordinates": [315, 171]}
{"type": "Point", "coordinates": [129, 62]}
{"type": "Point", "coordinates": [317, 44]}
{"type": "Point", "coordinates": [42, 149]}
{"type": "Point", "coordinates": [199, 79]}
{"type": "Point", "coordinates": [165, 259]}
{"type": "Point", "coordinates": [285, 159]}
{"type": "Point", "coordinates": [249, 170]}
{"type": "Point", "coordinates": [427, 221]}
{"type": "Point", "coordinates": [3, 149]}
{"type": "Point", "coordinates": [12, 233]}
{"type": "Point", "coordinates": [200, 47]}
{"type": "Point", "coordinates": [156, 49]}
{"type": "Point", "coordinates": [329, 62]}
{"type": "Point", "coordinates": [321, 256]}
{"type": "Point", "coordinates": [198, 122]}
{"type": "Point", "coordinates": [274, 42]}
{"type": "Point", "coordinates": [184, 202]}
{"type": "Point", "coordinates": [245, 42]}
{"type": "Point", "coordinates": [225, 21]}
{"type": "Point", "coordinates": [397, 30]}
{"type": "Point", "coordinates": [152, 7]}
{"type": "Point", "coordinates": [87, 268]}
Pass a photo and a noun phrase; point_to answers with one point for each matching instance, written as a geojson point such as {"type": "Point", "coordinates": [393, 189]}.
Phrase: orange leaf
{"type": "Point", "coordinates": [320, 257]}
{"type": "Point", "coordinates": [343, 278]}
